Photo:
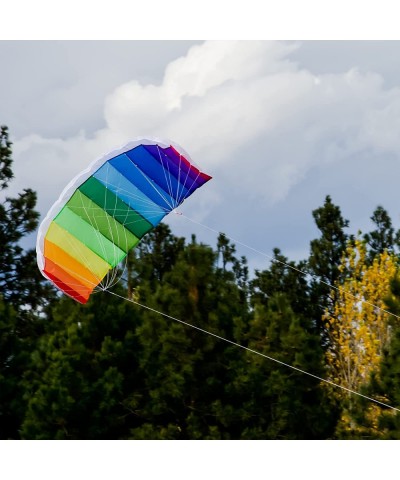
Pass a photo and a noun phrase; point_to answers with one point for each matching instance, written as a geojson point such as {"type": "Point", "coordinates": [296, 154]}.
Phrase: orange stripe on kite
{"type": "Point", "coordinates": [70, 265]}
{"type": "Point", "coordinates": [66, 282]}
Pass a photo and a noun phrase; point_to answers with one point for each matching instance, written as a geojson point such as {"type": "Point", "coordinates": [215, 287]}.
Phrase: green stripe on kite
{"type": "Point", "coordinates": [89, 236]}
{"type": "Point", "coordinates": [115, 207]}
{"type": "Point", "coordinates": [82, 206]}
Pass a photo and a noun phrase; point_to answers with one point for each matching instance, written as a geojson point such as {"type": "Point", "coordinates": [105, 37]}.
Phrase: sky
{"type": "Point", "coordinates": [278, 124]}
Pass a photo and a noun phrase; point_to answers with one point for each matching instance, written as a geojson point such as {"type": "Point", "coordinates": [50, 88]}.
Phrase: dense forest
{"type": "Point", "coordinates": [111, 369]}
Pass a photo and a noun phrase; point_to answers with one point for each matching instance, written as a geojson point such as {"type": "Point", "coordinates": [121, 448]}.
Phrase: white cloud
{"type": "Point", "coordinates": [221, 97]}
{"type": "Point", "coordinates": [245, 112]}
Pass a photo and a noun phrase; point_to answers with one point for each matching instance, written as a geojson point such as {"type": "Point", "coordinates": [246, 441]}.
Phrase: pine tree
{"type": "Point", "coordinates": [325, 256]}
{"type": "Point", "coordinates": [272, 401]}
{"type": "Point", "coordinates": [112, 370]}
{"type": "Point", "coordinates": [6, 173]}
{"type": "Point", "coordinates": [225, 251]}
{"type": "Point", "coordinates": [23, 292]}
{"type": "Point", "coordinates": [283, 276]}
{"type": "Point", "coordinates": [183, 367]}
{"type": "Point", "coordinates": [153, 257]}
{"type": "Point", "coordinates": [20, 280]}
{"type": "Point", "coordinates": [383, 237]}
{"type": "Point", "coordinates": [83, 381]}
{"type": "Point", "coordinates": [11, 409]}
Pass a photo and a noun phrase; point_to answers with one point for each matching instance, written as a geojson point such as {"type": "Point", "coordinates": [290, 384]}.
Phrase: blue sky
{"type": "Point", "coordinates": [279, 125]}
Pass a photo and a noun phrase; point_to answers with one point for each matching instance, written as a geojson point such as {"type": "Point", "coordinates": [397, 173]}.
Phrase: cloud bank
{"type": "Point", "coordinates": [247, 113]}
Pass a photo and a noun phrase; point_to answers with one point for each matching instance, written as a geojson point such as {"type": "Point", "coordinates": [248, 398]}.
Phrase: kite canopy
{"type": "Point", "coordinates": [105, 210]}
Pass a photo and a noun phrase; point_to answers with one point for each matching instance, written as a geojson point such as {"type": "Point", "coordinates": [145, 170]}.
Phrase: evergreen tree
{"type": "Point", "coordinates": [225, 251]}
{"type": "Point", "coordinates": [6, 173]}
{"type": "Point", "coordinates": [20, 280]}
{"type": "Point", "coordinates": [83, 381]}
{"type": "Point", "coordinates": [272, 401]}
{"type": "Point", "coordinates": [286, 277]}
{"type": "Point", "coordinates": [11, 409]}
{"type": "Point", "coordinates": [153, 257]}
{"type": "Point", "coordinates": [110, 369]}
{"type": "Point", "coordinates": [325, 256]}
{"type": "Point", "coordinates": [23, 293]}
{"type": "Point", "coordinates": [383, 237]}
{"type": "Point", "coordinates": [186, 369]}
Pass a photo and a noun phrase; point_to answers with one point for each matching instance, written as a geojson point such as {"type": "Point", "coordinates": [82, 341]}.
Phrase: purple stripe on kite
{"type": "Point", "coordinates": [162, 158]}
{"type": "Point", "coordinates": [187, 180]}
{"type": "Point", "coordinates": [194, 172]}
{"type": "Point", "coordinates": [190, 175]}
{"type": "Point", "coordinates": [180, 162]}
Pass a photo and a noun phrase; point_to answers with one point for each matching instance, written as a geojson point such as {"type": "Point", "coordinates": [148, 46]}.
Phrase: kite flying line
{"type": "Point", "coordinates": [338, 289]}
{"type": "Point", "coordinates": [255, 351]}
{"type": "Point", "coordinates": [329, 382]}
{"type": "Point", "coordinates": [251, 350]}
{"type": "Point", "coordinates": [105, 211]}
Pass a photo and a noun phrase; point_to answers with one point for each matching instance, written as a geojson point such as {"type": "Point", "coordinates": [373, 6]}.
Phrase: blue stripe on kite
{"type": "Point", "coordinates": [157, 170]}
{"type": "Point", "coordinates": [129, 170]}
{"type": "Point", "coordinates": [129, 193]}
{"type": "Point", "coordinates": [158, 153]}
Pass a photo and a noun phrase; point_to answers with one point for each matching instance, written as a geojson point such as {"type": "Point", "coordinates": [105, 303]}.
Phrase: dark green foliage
{"type": "Point", "coordinates": [393, 300]}
{"type": "Point", "coordinates": [6, 173]}
{"type": "Point", "coordinates": [111, 369]}
{"type": "Point", "coordinates": [383, 238]}
{"type": "Point", "coordinates": [275, 401]}
{"type": "Point", "coordinates": [20, 281]}
{"type": "Point", "coordinates": [10, 392]}
{"type": "Point", "coordinates": [225, 251]}
{"type": "Point", "coordinates": [154, 255]}
{"type": "Point", "coordinates": [283, 276]}
{"type": "Point", "coordinates": [23, 294]}
{"type": "Point", "coordinates": [386, 386]}
{"type": "Point", "coordinates": [325, 256]}
{"type": "Point", "coordinates": [75, 386]}
{"type": "Point", "coordinates": [326, 251]}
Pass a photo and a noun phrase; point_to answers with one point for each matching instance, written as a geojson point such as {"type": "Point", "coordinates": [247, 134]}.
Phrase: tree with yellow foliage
{"type": "Point", "coordinates": [358, 327]}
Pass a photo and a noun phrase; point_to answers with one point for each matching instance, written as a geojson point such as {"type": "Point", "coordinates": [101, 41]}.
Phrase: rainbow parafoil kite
{"type": "Point", "coordinates": [105, 210]}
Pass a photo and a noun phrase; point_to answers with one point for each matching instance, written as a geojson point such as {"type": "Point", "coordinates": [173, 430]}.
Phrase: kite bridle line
{"type": "Point", "coordinates": [252, 351]}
